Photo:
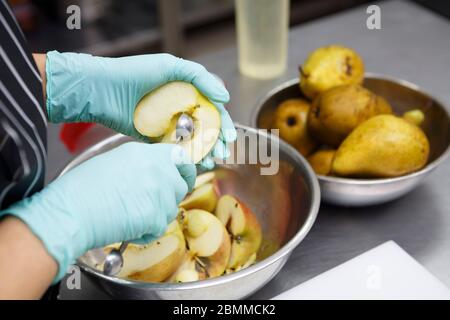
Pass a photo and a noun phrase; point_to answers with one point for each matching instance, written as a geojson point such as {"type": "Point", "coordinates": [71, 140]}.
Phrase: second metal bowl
{"type": "Point", "coordinates": [403, 96]}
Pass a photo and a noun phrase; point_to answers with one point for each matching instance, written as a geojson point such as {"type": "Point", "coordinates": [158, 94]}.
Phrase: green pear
{"type": "Point", "coordinates": [383, 146]}
{"type": "Point", "coordinates": [415, 116]}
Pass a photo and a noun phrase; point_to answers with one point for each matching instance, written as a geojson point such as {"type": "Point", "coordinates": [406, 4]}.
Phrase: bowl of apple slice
{"type": "Point", "coordinates": [233, 233]}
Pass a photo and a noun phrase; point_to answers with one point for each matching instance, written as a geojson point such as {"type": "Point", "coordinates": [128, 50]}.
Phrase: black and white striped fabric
{"type": "Point", "coordinates": [23, 120]}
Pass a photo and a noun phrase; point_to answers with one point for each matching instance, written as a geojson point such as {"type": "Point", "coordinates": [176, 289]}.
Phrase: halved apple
{"type": "Point", "coordinates": [157, 113]}
{"type": "Point", "coordinates": [204, 197]}
{"type": "Point", "coordinates": [245, 230]}
{"type": "Point", "coordinates": [155, 261]}
{"type": "Point", "coordinates": [208, 245]}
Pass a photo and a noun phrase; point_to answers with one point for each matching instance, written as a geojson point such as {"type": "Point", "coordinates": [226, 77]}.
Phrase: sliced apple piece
{"type": "Point", "coordinates": [247, 264]}
{"type": "Point", "coordinates": [187, 275]}
{"type": "Point", "coordinates": [208, 245]}
{"type": "Point", "coordinates": [155, 261]}
{"type": "Point", "coordinates": [187, 271]}
{"type": "Point", "coordinates": [250, 261]}
{"type": "Point", "coordinates": [204, 197]}
{"type": "Point", "coordinates": [245, 230]}
{"type": "Point", "coordinates": [204, 178]}
{"type": "Point", "coordinates": [157, 112]}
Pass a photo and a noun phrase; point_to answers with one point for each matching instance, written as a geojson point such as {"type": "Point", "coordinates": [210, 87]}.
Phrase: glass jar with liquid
{"type": "Point", "coordinates": [262, 32]}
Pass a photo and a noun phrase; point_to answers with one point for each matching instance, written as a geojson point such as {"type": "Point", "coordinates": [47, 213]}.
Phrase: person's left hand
{"type": "Point", "coordinates": [84, 88]}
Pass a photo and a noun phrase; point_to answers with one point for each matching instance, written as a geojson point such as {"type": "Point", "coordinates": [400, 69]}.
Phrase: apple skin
{"type": "Point", "coordinates": [244, 227]}
{"type": "Point", "coordinates": [156, 115]}
{"type": "Point", "coordinates": [247, 264]}
{"type": "Point", "coordinates": [155, 261]}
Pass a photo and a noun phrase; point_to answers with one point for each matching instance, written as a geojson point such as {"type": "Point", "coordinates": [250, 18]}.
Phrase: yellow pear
{"type": "Point", "coordinates": [337, 111]}
{"type": "Point", "coordinates": [328, 67]}
{"type": "Point", "coordinates": [290, 118]}
{"type": "Point", "coordinates": [383, 146]}
{"type": "Point", "coordinates": [321, 161]}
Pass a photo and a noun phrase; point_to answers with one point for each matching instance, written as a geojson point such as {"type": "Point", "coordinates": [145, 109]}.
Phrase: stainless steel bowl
{"type": "Point", "coordinates": [403, 96]}
{"type": "Point", "coordinates": [286, 205]}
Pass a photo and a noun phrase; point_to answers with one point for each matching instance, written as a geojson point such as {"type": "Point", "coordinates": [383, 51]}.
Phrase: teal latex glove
{"type": "Point", "coordinates": [84, 88]}
{"type": "Point", "coordinates": [131, 192]}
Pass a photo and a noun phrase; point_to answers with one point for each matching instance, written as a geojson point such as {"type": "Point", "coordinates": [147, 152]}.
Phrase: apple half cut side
{"type": "Point", "coordinates": [204, 197]}
{"type": "Point", "coordinates": [208, 244]}
{"type": "Point", "coordinates": [156, 261]}
{"type": "Point", "coordinates": [244, 227]}
{"type": "Point", "coordinates": [157, 113]}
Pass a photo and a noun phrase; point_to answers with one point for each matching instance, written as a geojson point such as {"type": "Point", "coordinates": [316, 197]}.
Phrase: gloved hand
{"type": "Point", "coordinates": [131, 192]}
{"type": "Point", "coordinates": [84, 88]}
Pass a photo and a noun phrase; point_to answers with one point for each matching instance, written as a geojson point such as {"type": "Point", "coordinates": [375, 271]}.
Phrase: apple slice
{"type": "Point", "coordinates": [204, 197]}
{"type": "Point", "coordinates": [187, 271]}
{"type": "Point", "coordinates": [245, 230]}
{"type": "Point", "coordinates": [157, 112]}
{"type": "Point", "coordinates": [155, 261]}
{"type": "Point", "coordinates": [247, 264]}
{"type": "Point", "coordinates": [208, 245]}
{"type": "Point", "coordinates": [204, 178]}
{"type": "Point", "coordinates": [187, 275]}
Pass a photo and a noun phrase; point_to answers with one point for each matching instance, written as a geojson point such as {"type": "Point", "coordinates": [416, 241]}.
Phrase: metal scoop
{"type": "Point", "coordinates": [114, 260]}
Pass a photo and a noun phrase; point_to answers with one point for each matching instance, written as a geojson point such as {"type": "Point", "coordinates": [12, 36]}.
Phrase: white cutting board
{"type": "Point", "coordinates": [385, 272]}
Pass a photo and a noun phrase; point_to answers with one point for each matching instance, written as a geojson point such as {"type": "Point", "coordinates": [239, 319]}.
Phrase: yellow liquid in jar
{"type": "Point", "coordinates": [262, 31]}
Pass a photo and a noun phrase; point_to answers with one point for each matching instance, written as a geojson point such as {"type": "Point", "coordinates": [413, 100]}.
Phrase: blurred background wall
{"type": "Point", "coordinates": [183, 27]}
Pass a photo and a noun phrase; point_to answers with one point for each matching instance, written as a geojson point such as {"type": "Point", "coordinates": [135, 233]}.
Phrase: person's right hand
{"type": "Point", "coordinates": [129, 193]}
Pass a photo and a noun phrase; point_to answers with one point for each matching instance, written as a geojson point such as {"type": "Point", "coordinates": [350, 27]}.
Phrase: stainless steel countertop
{"type": "Point", "coordinates": [413, 44]}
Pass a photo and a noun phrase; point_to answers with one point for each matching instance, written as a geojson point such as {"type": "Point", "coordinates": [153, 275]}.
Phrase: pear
{"type": "Point", "coordinates": [415, 116]}
{"type": "Point", "coordinates": [328, 67]}
{"type": "Point", "coordinates": [321, 161]}
{"type": "Point", "coordinates": [290, 118]}
{"type": "Point", "coordinates": [336, 112]}
{"type": "Point", "coordinates": [383, 146]}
